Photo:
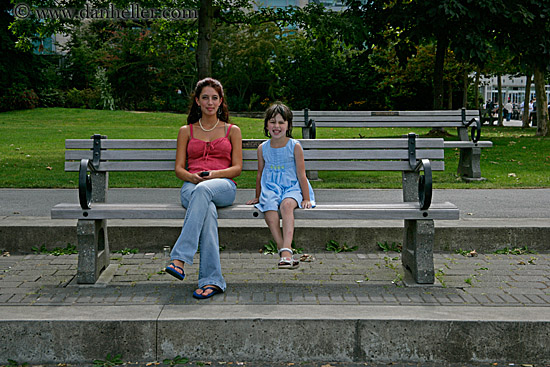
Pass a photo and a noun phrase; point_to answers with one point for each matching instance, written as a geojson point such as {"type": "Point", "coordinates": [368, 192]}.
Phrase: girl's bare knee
{"type": "Point", "coordinates": [288, 205]}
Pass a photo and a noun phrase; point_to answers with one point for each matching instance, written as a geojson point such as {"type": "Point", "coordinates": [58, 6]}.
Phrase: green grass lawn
{"type": "Point", "coordinates": [32, 151]}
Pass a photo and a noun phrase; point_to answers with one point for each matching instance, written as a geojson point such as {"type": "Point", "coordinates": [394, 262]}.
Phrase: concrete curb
{"type": "Point", "coordinates": [19, 235]}
{"type": "Point", "coordinates": [254, 333]}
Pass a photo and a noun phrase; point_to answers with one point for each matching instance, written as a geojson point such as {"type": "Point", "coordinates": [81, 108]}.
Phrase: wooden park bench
{"type": "Point", "coordinates": [469, 166]}
{"type": "Point", "coordinates": [95, 158]}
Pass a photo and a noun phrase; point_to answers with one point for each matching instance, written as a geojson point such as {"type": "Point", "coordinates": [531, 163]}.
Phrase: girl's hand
{"type": "Point", "coordinates": [306, 204]}
{"type": "Point", "coordinates": [253, 201]}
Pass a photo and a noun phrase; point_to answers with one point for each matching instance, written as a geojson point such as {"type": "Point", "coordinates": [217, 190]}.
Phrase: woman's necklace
{"type": "Point", "coordinates": [207, 130]}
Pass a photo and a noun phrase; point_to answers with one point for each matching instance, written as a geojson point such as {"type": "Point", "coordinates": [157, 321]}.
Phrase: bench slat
{"type": "Point", "coordinates": [382, 114]}
{"type": "Point", "coordinates": [300, 113]}
{"type": "Point", "coordinates": [122, 143]}
{"type": "Point", "coordinates": [151, 166]}
{"type": "Point", "coordinates": [468, 144]}
{"type": "Point", "coordinates": [163, 155]}
{"type": "Point", "coordinates": [382, 124]}
{"type": "Point", "coordinates": [395, 211]}
{"type": "Point", "coordinates": [306, 143]}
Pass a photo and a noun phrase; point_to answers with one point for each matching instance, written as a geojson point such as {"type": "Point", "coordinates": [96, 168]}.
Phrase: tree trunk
{"type": "Point", "coordinates": [450, 100]}
{"type": "Point", "coordinates": [441, 49]}
{"type": "Point", "coordinates": [476, 90]}
{"type": "Point", "coordinates": [525, 117]}
{"type": "Point", "coordinates": [204, 43]}
{"type": "Point", "coordinates": [465, 90]}
{"type": "Point", "coordinates": [499, 83]}
{"type": "Point", "coordinates": [542, 104]}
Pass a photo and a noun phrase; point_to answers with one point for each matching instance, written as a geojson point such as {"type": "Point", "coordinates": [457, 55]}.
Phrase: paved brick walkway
{"type": "Point", "coordinates": [331, 279]}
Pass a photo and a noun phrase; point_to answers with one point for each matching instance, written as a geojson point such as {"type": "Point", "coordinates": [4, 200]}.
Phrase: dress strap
{"type": "Point", "coordinates": [227, 129]}
{"type": "Point", "coordinates": [191, 130]}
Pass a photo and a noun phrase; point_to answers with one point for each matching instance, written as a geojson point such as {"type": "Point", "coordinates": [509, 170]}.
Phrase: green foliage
{"type": "Point", "coordinates": [386, 247]}
{"type": "Point", "coordinates": [334, 246]}
{"type": "Point", "coordinates": [12, 363]}
{"type": "Point", "coordinates": [52, 97]}
{"type": "Point", "coordinates": [56, 251]}
{"type": "Point", "coordinates": [175, 361]}
{"type": "Point", "coordinates": [106, 100]}
{"type": "Point", "coordinates": [18, 98]}
{"type": "Point", "coordinates": [86, 98]}
{"type": "Point", "coordinates": [515, 251]}
{"type": "Point", "coordinates": [244, 59]}
{"type": "Point", "coordinates": [109, 361]}
{"type": "Point", "coordinates": [271, 248]}
{"type": "Point", "coordinates": [126, 251]}
{"type": "Point", "coordinates": [462, 252]}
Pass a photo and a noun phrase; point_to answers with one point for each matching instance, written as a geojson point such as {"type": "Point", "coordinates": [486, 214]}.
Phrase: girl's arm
{"type": "Point", "coordinates": [258, 177]}
{"type": "Point", "coordinates": [301, 173]}
{"type": "Point", "coordinates": [236, 157]}
{"type": "Point", "coordinates": [181, 157]}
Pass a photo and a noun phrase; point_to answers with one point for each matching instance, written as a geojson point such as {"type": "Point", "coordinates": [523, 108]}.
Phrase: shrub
{"type": "Point", "coordinates": [52, 98]}
{"type": "Point", "coordinates": [18, 98]}
{"type": "Point", "coordinates": [85, 98]}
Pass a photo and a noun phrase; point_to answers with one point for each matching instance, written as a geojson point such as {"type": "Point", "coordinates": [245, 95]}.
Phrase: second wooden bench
{"type": "Point", "coordinates": [469, 166]}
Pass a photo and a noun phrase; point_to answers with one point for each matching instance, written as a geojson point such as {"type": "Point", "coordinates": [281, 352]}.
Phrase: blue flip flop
{"type": "Point", "coordinates": [215, 290]}
{"type": "Point", "coordinates": [171, 269]}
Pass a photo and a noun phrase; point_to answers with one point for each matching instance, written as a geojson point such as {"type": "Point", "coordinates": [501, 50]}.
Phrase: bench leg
{"type": "Point", "coordinates": [469, 165]}
{"type": "Point", "coordinates": [417, 254]}
{"type": "Point", "coordinates": [312, 175]}
{"type": "Point", "coordinates": [93, 250]}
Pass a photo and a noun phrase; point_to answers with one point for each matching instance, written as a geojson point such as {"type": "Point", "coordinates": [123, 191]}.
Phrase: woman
{"type": "Point", "coordinates": [208, 157]}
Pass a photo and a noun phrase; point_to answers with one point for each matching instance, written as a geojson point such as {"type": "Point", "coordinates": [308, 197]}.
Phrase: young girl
{"type": "Point", "coordinates": [281, 183]}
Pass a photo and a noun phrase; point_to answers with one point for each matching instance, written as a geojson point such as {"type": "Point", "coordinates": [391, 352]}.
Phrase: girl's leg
{"type": "Point", "coordinates": [287, 213]}
{"type": "Point", "coordinates": [273, 222]}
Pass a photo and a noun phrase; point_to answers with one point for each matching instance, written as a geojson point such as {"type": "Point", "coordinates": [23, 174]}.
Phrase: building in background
{"type": "Point", "coordinates": [513, 89]}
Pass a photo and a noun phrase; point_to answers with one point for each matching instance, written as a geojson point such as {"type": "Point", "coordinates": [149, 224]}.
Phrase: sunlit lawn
{"type": "Point", "coordinates": [32, 151]}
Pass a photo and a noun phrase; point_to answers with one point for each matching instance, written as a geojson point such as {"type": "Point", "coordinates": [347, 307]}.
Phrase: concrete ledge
{"type": "Point", "coordinates": [18, 235]}
{"type": "Point", "coordinates": [80, 334]}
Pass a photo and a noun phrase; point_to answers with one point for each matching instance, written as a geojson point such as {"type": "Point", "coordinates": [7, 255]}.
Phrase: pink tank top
{"type": "Point", "coordinates": [208, 156]}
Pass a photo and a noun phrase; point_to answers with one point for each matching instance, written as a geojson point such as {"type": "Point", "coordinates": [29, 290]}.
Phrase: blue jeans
{"type": "Point", "coordinates": [201, 227]}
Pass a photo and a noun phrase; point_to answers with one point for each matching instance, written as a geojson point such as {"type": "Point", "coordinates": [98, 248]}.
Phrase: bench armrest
{"type": "Point", "coordinates": [85, 183]}
{"type": "Point", "coordinates": [424, 183]}
{"type": "Point", "coordinates": [476, 128]}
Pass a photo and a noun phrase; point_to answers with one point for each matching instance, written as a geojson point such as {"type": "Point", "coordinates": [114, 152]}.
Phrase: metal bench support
{"type": "Point", "coordinates": [93, 244]}
{"type": "Point", "coordinates": [418, 237]}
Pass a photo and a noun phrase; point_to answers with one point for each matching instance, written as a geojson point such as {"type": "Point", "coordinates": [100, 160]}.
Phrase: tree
{"type": "Point", "coordinates": [524, 29]}
{"type": "Point", "coordinates": [460, 25]}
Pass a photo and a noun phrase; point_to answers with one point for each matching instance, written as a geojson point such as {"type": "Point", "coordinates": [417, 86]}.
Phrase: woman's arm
{"type": "Point", "coordinates": [301, 173]}
{"type": "Point", "coordinates": [236, 157]}
{"type": "Point", "coordinates": [258, 177]}
{"type": "Point", "coordinates": [181, 157]}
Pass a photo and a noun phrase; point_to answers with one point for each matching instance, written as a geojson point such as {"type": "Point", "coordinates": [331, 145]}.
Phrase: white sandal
{"type": "Point", "coordinates": [288, 262]}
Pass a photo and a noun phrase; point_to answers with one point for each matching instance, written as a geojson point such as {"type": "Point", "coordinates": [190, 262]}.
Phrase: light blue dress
{"type": "Point", "coordinates": [279, 180]}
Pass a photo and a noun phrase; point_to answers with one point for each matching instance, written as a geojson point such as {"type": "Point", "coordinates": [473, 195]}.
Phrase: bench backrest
{"type": "Point", "coordinates": [320, 155]}
{"type": "Point", "coordinates": [438, 118]}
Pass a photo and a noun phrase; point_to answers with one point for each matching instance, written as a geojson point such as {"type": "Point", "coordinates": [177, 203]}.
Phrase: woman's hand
{"type": "Point", "coordinates": [253, 201]}
{"type": "Point", "coordinates": [196, 178]}
{"type": "Point", "coordinates": [306, 204]}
